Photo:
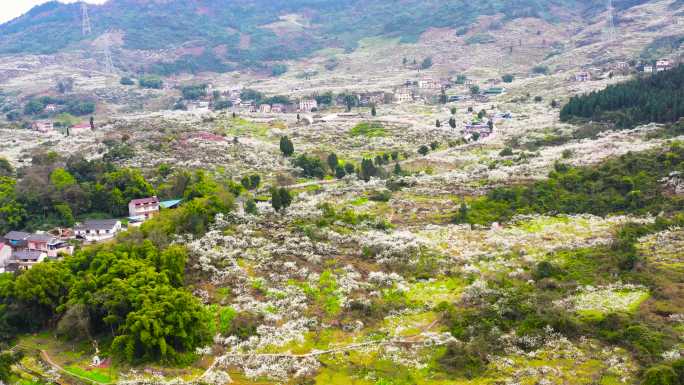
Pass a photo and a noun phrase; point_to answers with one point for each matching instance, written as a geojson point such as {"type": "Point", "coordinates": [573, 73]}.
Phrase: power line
{"type": "Point", "coordinates": [86, 28]}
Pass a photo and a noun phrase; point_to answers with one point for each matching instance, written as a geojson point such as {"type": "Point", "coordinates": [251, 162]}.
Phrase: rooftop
{"type": "Point", "coordinates": [82, 125]}
{"type": "Point", "coordinates": [41, 238]}
{"type": "Point", "coordinates": [98, 224]}
{"type": "Point", "coordinates": [27, 255]}
{"type": "Point", "coordinates": [170, 203]}
{"type": "Point", "coordinates": [17, 236]}
{"type": "Point", "coordinates": [145, 201]}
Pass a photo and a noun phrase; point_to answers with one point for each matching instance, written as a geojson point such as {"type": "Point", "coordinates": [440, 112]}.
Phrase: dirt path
{"type": "Point", "coordinates": [46, 357]}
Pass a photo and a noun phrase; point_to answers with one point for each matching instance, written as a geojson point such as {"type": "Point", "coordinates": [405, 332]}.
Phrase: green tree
{"type": "Point", "coordinates": [349, 168]}
{"type": "Point", "coordinates": [462, 215]}
{"type": "Point", "coordinates": [7, 360]}
{"type": "Point", "coordinates": [508, 78]}
{"type": "Point", "coordinates": [333, 162]}
{"type": "Point", "coordinates": [164, 322]}
{"type": "Point", "coordinates": [368, 170]}
{"type": "Point", "coordinates": [61, 179]}
{"type": "Point", "coordinates": [474, 90]}
{"type": "Point", "coordinates": [286, 146]}
{"type": "Point", "coordinates": [660, 375]}
{"type": "Point", "coordinates": [351, 101]}
{"type": "Point", "coordinates": [150, 82]}
{"type": "Point", "coordinates": [251, 182]}
{"type": "Point", "coordinates": [397, 169]}
{"type": "Point", "coordinates": [276, 203]}
{"type": "Point", "coordinates": [285, 197]}
{"type": "Point", "coordinates": [678, 367]}
{"type": "Point", "coordinates": [12, 212]}
{"type": "Point", "coordinates": [66, 216]}
{"type": "Point", "coordinates": [33, 107]}
{"type": "Point", "coordinates": [194, 92]}
{"type": "Point", "coordinates": [171, 263]}
{"type": "Point", "coordinates": [280, 198]}
{"type": "Point", "coordinates": [540, 70]}
{"type": "Point", "coordinates": [312, 167]}
{"type": "Point", "coordinates": [251, 207]}
{"type": "Point", "coordinates": [244, 181]}
{"type": "Point", "coordinates": [423, 150]}
{"type": "Point", "coordinates": [339, 172]}
{"type": "Point", "coordinates": [75, 323]}
{"type": "Point", "coordinates": [374, 112]}
{"type": "Point", "coordinates": [6, 168]}
{"type": "Point", "coordinates": [46, 285]}
{"type": "Point", "coordinates": [426, 63]}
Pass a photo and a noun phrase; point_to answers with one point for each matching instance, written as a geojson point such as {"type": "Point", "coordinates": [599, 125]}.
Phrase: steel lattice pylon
{"type": "Point", "coordinates": [86, 28]}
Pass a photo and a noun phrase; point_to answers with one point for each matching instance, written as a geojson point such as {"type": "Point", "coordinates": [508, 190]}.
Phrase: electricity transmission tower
{"type": "Point", "coordinates": [86, 28]}
{"type": "Point", "coordinates": [611, 22]}
{"type": "Point", "coordinates": [109, 66]}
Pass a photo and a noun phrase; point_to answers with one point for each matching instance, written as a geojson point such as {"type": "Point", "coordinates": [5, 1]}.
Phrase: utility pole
{"type": "Point", "coordinates": [86, 28]}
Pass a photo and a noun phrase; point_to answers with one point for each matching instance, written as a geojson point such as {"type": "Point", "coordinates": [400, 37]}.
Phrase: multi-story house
{"type": "Point", "coordinates": [143, 208]}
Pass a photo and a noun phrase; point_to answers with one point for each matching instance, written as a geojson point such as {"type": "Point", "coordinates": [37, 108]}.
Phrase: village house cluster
{"type": "Point", "coordinates": [623, 68]}
{"type": "Point", "coordinates": [425, 89]}
{"type": "Point", "coordinates": [21, 250]}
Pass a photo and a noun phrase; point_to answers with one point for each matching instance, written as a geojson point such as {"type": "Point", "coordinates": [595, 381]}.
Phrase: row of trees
{"type": "Point", "coordinates": [658, 98]}
{"type": "Point", "coordinates": [314, 167]}
{"type": "Point", "coordinates": [78, 107]}
{"type": "Point", "coordinates": [53, 191]}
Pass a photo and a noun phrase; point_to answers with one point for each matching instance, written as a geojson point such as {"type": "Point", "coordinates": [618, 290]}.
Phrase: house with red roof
{"type": "Point", "coordinates": [143, 208]}
{"type": "Point", "coordinates": [80, 128]}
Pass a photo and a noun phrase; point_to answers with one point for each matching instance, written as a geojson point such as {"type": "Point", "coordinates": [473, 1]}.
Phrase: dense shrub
{"type": "Point", "coordinates": [629, 184]}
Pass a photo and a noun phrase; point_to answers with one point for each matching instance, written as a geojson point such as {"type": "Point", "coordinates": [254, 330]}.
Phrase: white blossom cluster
{"type": "Point", "coordinates": [396, 248]}
{"type": "Point", "coordinates": [606, 299]}
{"type": "Point", "coordinates": [664, 247]}
{"type": "Point", "coordinates": [281, 367]}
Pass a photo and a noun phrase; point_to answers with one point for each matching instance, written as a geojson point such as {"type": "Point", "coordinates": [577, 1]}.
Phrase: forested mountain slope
{"type": "Point", "coordinates": [658, 98]}
{"type": "Point", "coordinates": [262, 30]}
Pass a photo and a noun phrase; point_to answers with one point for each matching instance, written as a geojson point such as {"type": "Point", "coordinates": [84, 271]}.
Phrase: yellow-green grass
{"type": "Point", "coordinates": [435, 292]}
{"type": "Point", "coordinates": [93, 374]}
